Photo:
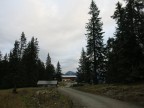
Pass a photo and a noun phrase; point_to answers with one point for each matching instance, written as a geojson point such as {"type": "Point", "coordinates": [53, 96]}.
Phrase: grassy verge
{"type": "Point", "coordinates": [10, 100]}
{"type": "Point", "coordinates": [34, 98]}
{"type": "Point", "coordinates": [129, 93]}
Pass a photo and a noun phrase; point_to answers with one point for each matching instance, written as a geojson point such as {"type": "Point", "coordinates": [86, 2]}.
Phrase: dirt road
{"type": "Point", "coordinates": [86, 100]}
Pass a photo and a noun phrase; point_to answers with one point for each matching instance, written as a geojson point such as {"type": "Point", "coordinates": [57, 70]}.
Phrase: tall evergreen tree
{"type": "Point", "coordinates": [58, 72]}
{"type": "Point", "coordinates": [30, 59]}
{"type": "Point", "coordinates": [41, 70]}
{"type": "Point", "coordinates": [22, 45]}
{"type": "Point", "coordinates": [22, 66]}
{"type": "Point", "coordinates": [116, 44]}
{"type": "Point", "coordinates": [135, 21]}
{"type": "Point", "coordinates": [81, 68]}
{"type": "Point", "coordinates": [127, 56]}
{"type": "Point", "coordinates": [111, 61]}
{"type": "Point", "coordinates": [48, 60]}
{"type": "Point", "coordinates": [1, 71]}
{"type": "Point", "coordinates": [14, 63]}
{"type": "Point", "coordinates": [6, 58]}
{"type": "Point", "coordinates": [84, 69]}
{"type": "Point", "coordinates": [0, 56]}
{"type": "Point", "coordinates": [50, 70]}
{"type": "Point", "coordinates": [6, 77]}
{"type": "Point", "coordinates": [95, 47]}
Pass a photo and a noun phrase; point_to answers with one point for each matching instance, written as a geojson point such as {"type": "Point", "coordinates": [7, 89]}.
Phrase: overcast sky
{"type": "Point", "coordinates": [59, 26]}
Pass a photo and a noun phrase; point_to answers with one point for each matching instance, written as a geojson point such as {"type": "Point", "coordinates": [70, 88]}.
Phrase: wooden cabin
{"type": "Point", "coordinates": [69, 78]}
{"type": "Point", "coordinates": [47, 83]}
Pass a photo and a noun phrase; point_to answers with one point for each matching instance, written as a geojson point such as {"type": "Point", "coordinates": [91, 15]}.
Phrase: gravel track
{"type": "Point", "coordinates": [87, 100]}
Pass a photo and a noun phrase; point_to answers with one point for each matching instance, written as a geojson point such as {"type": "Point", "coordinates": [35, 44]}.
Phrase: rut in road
{"type": "Point", "coordinates": [87, 100]}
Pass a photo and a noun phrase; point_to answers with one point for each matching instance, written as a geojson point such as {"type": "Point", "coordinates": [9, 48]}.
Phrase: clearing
{"type": "Point", "coordinates": [34, 98]}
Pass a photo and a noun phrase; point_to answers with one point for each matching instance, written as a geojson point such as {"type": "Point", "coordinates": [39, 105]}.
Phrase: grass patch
{"type": "Point", "coordinates": [34, 98]}
{"type": "Point", "coordinates": [10, 100]}
{"type": "Point", "coordinates": [129, 93]}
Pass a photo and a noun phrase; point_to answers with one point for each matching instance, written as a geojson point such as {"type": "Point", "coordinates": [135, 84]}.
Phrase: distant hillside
{"type": "Point", "coordinates": [70, 73]}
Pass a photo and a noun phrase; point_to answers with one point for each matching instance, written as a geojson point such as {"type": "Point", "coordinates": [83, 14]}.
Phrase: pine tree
{"type": "Point", "coordinates": [41, 70]}
{"type": "Point", "coordinates": [30, 59]}
{"type": "Point", "coordinates": [48, 61]}
{"type": "Point", "coordinates": [58, 72]}
{"type": "Point", "coordinates": [127, 57]}
{"type": "Point", "coordinates": [1, 70]}
{"type": "Point", "coordinates": [81, 68]}
{"type": "Point", "coordinates": [139, 21]}
{"type": "Point", "coordinates": [0, 56]}
{"type": "Point", "coordinates": [111, 61]}
{"type": "Point", "coordinates": [95, 47]}
{"type": "Point", "coordinates": [22, 66]}
{"type": "Point", "coordinates": [84, 70]}
{"type": "Point", "coordinates": [116, 46]}
{"type": "Point", "coordinates": [14, 63]}
{"type": "Point", "coordinates": [137, 7]}
{"type": "Point", "coordinates": [50, 70]}
{"type": "Point", "coordinates": [15, 52]}
{"type": "Point", "coordinates": [6, 57]}
{"type": "Point", "coordinates": [22, 45]}
{"type": "Point", "coordinates": [6, 77]}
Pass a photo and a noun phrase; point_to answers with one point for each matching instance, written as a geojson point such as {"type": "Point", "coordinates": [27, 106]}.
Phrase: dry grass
{"type": "Point", "coordinates": [129, 93]}
{"type": "Point", "coordinates": [62, 84]}
{"type": "Point", "coordinates": [10, 100]}
{"type": "Point", "coordinates": [47, 98]}
{"type": "Point", "coordinates": [34, 98]}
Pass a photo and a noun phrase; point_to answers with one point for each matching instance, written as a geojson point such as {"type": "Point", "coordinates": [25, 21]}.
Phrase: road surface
{"type": "Point", "coordinates": [87, 100]}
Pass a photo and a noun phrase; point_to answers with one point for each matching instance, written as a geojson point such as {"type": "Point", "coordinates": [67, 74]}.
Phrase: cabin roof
{"type": "Point", "coordinates": [69, 76]}
{"type": "Point", "coordinates": [46, 82]}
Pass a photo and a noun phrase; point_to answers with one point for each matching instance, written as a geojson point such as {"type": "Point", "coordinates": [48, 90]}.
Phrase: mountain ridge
{"type": "Point", "coordinates": [70, 73]}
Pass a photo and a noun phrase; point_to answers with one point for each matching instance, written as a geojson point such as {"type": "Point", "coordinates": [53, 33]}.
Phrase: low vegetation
{"type": "Point", "coordinates": [129, 93]}
{"type": "Point", "coordinates": [34, 98]}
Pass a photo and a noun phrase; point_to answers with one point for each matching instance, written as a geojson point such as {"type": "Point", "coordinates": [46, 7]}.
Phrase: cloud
{"type": "Point", "coordinates": [59, 26]}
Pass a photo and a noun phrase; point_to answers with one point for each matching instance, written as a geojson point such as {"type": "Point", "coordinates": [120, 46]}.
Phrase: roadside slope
{"type": "Point", "coordinates": [86, 100]}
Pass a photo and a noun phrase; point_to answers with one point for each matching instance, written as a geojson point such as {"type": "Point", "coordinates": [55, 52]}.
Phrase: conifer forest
{"type": "Point", "coordinates": [121, 59]}
{"type": "Point", "coordinates": [22, 67]}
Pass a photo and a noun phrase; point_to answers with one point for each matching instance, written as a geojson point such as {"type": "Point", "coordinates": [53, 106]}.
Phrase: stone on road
{"type": "Point", "coordinates": [87, 100]}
